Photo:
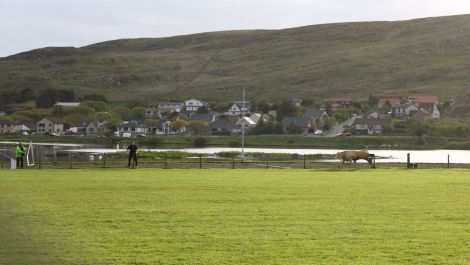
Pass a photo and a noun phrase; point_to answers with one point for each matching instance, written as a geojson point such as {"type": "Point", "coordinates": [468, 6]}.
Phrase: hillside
{"type": "Point", "coordinates": [424, 56]}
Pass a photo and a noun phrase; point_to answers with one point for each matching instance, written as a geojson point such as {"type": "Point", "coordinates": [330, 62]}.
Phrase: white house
{"type": "Point", "coordinates": [238, 107]}
{"type": "Point", "coordinates": [12, 127]}
{"type": "Point", "coordinates": [170, 107]}
{"type": "Point", "coordinates": [248, 122]}
{"type": "Point", "coordinates": [151, 113]}
{"type": "Point", "coordinates": [165, 127]}
{"type": "Point", "coordinates": [194, 105]}
{"type": "Point", "coordinates": [66, 104]}
{"type": "Point", "coordinates": [50, 125]}
{"type": "Point", "coordinates": [403, 110]}
{"type": "Point", "coordinates": [132, 128]}
{"type": "Point", "coordinates": [370, 126]}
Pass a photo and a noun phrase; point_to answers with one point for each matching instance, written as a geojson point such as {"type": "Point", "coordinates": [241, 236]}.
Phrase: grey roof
{"type": "Point", "coordinates": [298, 121]}
{"type": "Point", "coordinates": [224, 124]}
{"type": "Point", "coordinates": [53, 120]}
{"type": "Point", "coordinates": [314, 114]}
{"type": "Point", "coordinates": [12, 123]}
{"type": "Point", "coordinates": [202, 117]}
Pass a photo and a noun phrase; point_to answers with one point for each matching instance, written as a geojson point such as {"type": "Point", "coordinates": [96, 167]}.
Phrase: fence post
{"type": "Point", "coordinates": [448, 161]}
{"type": "Point", "coordinates": [166, 158]}
{"type": "Point", "coordinates": [408, 163]}
{"type": "Point", "coordinates": [104, 160]}
{"type": "Point", "coordinates": [200, 161]}
{"type": "Point", "coordinates": [70, 160]}
{"type": "Point", "coordinates": [233, 162]}
{"type": "Point", "coordinates": [40, 158]}
{"type": "Point", "coordinates": [267, 160]}
{"type": "Point", "coordinates": [305, 166]}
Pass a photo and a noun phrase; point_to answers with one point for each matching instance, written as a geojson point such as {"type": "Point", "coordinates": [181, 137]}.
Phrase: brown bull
{"type": "Point", "coordinates": [350, 156]}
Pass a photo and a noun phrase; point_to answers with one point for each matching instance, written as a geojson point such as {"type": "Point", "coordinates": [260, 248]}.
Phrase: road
{"type": "Point", "coordinates": [338, 128]}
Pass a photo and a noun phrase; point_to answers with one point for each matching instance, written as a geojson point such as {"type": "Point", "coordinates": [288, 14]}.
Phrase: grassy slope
{"type": "Point", "coordinates": [426, 56]}
{"type": "Point", "coordinates": [235, 217]}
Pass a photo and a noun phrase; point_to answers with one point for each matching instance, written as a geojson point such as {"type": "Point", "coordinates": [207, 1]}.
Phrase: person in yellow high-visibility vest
{"type": "Point", "coordinates": [19, 154]}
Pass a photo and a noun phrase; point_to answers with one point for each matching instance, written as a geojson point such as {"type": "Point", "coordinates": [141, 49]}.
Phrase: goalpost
{"type": "Point", "coordinates": [30, 155]}
{"type": "Point", "coordinates": [12, 160]}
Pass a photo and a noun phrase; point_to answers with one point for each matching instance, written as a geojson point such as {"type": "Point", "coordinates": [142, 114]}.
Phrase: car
{"type": "Point", "coordinates": [51, 134]}
{"type": "Point", "coordinates": [318, 132]}
{"type": "Point", "coordinates": [343, 134]}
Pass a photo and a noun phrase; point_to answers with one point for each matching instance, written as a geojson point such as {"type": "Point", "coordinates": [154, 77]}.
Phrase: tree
{"type": "Point", "coordinates": [123, 112]}
{"type": "Point", "coordinates": [27, 94]}
{"type": "Point", "coordinates": [97, 106]}
{"type": "Point", "coordinates": [113, 124]}
{"type": "Point", "coordinates": [178, 125]}
{"type": "Point", "coordinates": [286, 109]}
{"type": "Point", "coordinates": [197, 127]}
{"type": "Point", "coordinates": [48, 97]}
{"type": "Point", "coordinates": [9, 97]}
{"type": "Point", "coordinates": [372, 101]}
{"type": "Point", "coordinates": [264, 107]}
{"type": "Point", "coordinates": [138, 113]}
{"type": "Point", "coordinates": [202, 110]}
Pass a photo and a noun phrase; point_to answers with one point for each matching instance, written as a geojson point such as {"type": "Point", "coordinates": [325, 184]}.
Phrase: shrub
{"type": "Point", "coordinates": [234, 144]}
{"type": "Point", "coordinates": [200, 142]}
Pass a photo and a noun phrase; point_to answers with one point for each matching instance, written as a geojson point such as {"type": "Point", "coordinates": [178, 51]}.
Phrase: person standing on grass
{"type": "Point", "coordinates": [19, 155]}
{"type": "Point", "coordinates": [132, 154]}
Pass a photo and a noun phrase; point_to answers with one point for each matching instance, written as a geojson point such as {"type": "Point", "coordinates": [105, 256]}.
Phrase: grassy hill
{"type": "Point", "coordinates": [424, 56]}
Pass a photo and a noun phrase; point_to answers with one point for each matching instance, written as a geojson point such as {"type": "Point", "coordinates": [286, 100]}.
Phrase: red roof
{"type": "Point", "coordinates": [392, 101]}
{"type": "Point", "coordinates": [424, 99]}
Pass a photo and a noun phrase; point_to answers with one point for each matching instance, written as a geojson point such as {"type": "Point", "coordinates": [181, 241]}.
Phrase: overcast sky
{"type": "Point", "coordinates": [30, 24]}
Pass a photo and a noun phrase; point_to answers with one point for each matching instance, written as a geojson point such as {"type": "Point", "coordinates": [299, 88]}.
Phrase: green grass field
{"type": "Point", "coordinates": [385, 216]}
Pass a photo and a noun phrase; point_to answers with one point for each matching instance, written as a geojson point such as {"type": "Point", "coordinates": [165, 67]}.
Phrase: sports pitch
{"type": "Point", "coordinates": [117, 216]}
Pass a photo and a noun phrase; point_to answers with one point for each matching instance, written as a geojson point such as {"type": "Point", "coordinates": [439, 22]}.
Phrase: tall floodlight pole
{"type": "Point", "coordinates": [243, 125]}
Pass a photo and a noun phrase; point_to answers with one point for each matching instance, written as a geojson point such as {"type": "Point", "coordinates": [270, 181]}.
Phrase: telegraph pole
{"type": "Point", "coordinates": [243, 125]}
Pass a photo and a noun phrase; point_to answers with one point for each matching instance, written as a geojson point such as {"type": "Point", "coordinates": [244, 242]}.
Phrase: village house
{"type": "Point", "coordinates": [393, 101]}
{"type": "Point", "coordinates": [245, 122]}
{"type": "Point", "coordinates": [96, 128]}
{"type": "Point", "coordinates": [296, 125]}
{"type": "Point", "coordinates": [208, 117]}
{"type": "Point", "coordinates": [224, 126]}
{"type": "Point", "coordinates": [49, 126]}
{"type": "Point", "coordinates": [10, 108]}
{"type": "Point", "coordinates": [257, 117]}
{"type": "Point", "coordinates": [165, 126]}
{"type": "Point", "coordinates": [431, 109]}
{"type": "Point", "coordinates": [58, 105]}
{"type": "Point", "coordinates": [423, 99]}
{"type": "Point", "coordinates": [296, 101]}
{"type": "Point", "coordinates": [407, 110]}
{"type": "Point", "coordinates": [371, 126]}
{"type": "Point", "coordinates": [238, 107]}
{"type": "Point", "coordinates": [193, 105]}
{"type": "Point", "coordinates": [170, 107]}
{"type": "Point", "coordinates": [9, 127]}
{"type": "Point", "coordinates": [151, 113]}
{"type": "Point", "coordinates": [338, 102]}
{"type": "Point", "coordinates": [419, 115]}
{"type": "Point", "coordinates": [317, 118]}
{"type": "Point", "coordinates": [131, 128]}
{"type": "Point", "coordinates": [402, 111]}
